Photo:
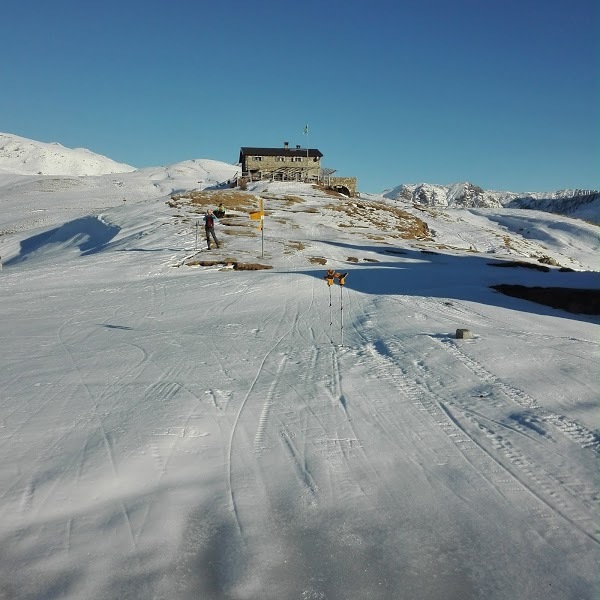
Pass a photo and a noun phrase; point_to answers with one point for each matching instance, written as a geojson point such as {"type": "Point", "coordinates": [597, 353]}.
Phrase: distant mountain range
{"type": "Point", "coordinates": [583, 204]}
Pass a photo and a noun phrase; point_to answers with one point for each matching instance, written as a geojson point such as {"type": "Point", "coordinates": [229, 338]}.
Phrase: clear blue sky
{"type": "Point", "coordinates": [500, 93]}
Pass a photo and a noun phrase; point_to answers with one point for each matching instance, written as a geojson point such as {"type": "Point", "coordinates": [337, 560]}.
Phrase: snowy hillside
{"type": "Point", "coordinates": [27, 157]}
{"type": "Point", "coordinates": [582, 204]}
{"type": "Point", "coordinates": [183, 423]}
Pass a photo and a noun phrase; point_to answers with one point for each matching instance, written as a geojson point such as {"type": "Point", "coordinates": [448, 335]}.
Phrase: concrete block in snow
{"type": "Point", "coordinates": [464, 334]}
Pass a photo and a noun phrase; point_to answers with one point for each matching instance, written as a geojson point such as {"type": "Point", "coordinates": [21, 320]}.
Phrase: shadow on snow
{"type": "Point", "coordinates": [411, 272]}
{"type": "Point", "coordinates": [88, 234]}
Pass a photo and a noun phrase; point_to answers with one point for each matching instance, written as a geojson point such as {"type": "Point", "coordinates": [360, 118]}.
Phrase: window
{"type": "Point", "coordinates": [280, 158]}
{"type": "Point", "coordinates": [296, 159]}
{"type": "Point", "coordinates": [257, 158]}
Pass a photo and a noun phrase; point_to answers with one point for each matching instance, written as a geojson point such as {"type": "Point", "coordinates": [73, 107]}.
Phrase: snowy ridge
{"type": "Point", "coordinates": [584, 204]}
{"type": "Point", "coordinates": [458, 195]}
{"type": "Point", "coordinates": [192, 174]}
{"type": "Point", "coordinates": [22, 156]}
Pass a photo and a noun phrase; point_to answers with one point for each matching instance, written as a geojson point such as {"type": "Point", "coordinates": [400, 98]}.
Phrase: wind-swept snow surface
{"type": "Point", "coordinates": [27, 157]}
{"type": "Point", "coordinates": [173, 431]}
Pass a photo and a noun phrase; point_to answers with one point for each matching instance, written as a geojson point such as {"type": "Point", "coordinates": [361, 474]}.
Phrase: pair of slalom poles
{"type": "Point", "coordinates": [330, 277]}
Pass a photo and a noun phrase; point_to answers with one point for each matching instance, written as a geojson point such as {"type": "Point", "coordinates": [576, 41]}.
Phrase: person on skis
{"type": "Point", "coordinates": [220, 212]}
{"type": "Point", "coordinates": [209, 227]}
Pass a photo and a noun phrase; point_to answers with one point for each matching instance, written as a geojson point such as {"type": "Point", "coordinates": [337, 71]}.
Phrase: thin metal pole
{"type": "Point", "coordinates": [342, 312]}
{"type": "Point", "coordinates": [330, 316]}
{"type": "Point", "coordinates": [307, 147]}
{"type": "Point", "coordinates": [261, 207]}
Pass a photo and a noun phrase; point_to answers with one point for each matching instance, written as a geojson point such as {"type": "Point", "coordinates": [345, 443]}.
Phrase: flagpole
{"type": "Point", "coordinates": [307, 147]}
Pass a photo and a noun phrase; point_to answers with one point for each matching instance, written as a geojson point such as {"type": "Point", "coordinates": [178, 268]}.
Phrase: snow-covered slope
{"type": "Point", "coordinates": [27, 157]}
{"type": "Point", "coordinates": [29, 202]}
{"type": "Point", "coordinates": [172, 427]}
{"type": "Point", "coordinates": [581, 204]}
{"type": "Point", "coordinates": [192, 174]}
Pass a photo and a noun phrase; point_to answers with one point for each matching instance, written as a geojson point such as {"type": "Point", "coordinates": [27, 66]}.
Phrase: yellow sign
{"type": "Point", "coordinates": [257, 215]}
{"type": "Point", "coordinates": [332, 275]}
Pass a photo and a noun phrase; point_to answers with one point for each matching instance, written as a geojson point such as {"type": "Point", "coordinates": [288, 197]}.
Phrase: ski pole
{"type": "Point", "coordinates": [342, 282]}
{"type": "Point", "coordinates": [330, 317]}
{"type": "Point", "coordinates": [330, 278]}
{"type": "Point", "coordinates": [342, 314]}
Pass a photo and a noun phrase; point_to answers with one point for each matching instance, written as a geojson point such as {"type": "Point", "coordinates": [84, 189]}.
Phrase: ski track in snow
{"type": "Point", "coordinates": [510, 471]}
{"type": "Point", "coordinates": [559, 492]}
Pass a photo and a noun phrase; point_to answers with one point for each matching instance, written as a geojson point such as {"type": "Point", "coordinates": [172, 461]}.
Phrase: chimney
{"type": "Point", "coordinates": [297, 146]}
{"type": "Point", "coordinates": [286, 145]}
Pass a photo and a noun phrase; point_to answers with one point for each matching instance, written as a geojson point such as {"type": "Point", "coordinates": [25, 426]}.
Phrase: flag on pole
{"type": "Point", "coordinates": [306, 129]}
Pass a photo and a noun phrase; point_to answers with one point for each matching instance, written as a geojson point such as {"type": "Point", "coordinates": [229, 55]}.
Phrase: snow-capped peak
{"type": "Point", "coordinates": [463, 195]}
{"type": "Point", "coordinates": [23, 156]}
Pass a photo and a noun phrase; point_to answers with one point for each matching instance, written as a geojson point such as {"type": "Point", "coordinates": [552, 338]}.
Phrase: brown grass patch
{"type": "Point", "coordinates": [328, 191]}
{"type": "Point", "coordinates": [433, 212]}
{"type": "Point", "coordinates": [227, 262]}
{"type": "Point", "coordinates": [317, 260]}
{"type": "Point", "coordinates": [240, 228]}
{"type": "Point", "coordinates": [249, 233]}
{"type": "Point", "coordinates": [231, 199]}
{"type": "Point", "coordinates": [353, 225]}
{"type": "Point", "coordinates": [293, 199]}
{"type": "Point", "coordinates": [392, 219]}
{"type": "Point", "coordinates": [250, 267]}
{"type": "Point", "coordinates": [242, 222]}
{"type": "Point", "coordinates": [295, 245]}
{"type": "Point", "coordinates": [202, 263]}
{"type": "Point", "coordinates": [352, 259]}
{"type": "Point", "coordinates": [370, 260]}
